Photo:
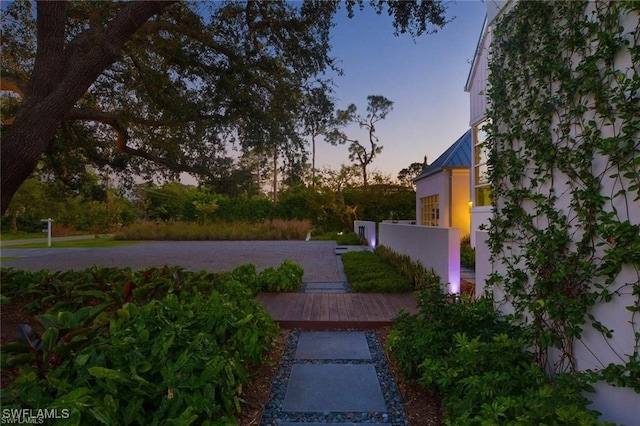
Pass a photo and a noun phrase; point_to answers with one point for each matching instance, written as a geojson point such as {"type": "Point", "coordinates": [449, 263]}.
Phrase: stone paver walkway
{"type": "Point", "coordinates": [332, 378]}
{"type": "Point", "coordinates": [329, 377]}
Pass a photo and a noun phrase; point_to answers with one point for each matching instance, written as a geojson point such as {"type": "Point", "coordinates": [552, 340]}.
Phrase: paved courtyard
{"type": "Point", "coordinates": [318, 258]}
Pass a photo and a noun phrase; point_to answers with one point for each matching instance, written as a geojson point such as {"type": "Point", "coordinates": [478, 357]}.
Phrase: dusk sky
{"type": "Point", "coordinates": [424, 78]}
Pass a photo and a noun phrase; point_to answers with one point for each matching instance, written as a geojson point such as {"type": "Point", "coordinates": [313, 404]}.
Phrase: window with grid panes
{"type": "Point", "coordinates": [480, 154]}
{"type": "Point", "coordinates": [430, 208]}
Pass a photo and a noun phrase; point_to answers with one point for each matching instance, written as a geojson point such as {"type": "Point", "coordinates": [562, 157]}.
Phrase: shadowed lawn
{"type": "Point", "coordinates": [88, 243]}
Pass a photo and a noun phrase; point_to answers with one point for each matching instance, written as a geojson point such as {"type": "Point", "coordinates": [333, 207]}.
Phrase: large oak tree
{"type": "Point", "coordinates": [158, 87]}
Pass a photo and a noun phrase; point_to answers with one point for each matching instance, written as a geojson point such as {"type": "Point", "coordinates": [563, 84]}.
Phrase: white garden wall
{"type": "Point", "coordinates": [435, 248]}
{"type": "Point", "coordinates": [366, 229]}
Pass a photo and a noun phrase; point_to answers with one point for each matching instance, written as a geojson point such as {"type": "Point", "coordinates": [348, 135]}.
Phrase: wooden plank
{"type": "Point", "coordinates": [308, 307]}
{"type": "Point", "coordinates": [297, 309]}
{"type": "Point", "coordinates": [386, 306]}
{"type": "Point", "coordinates": [349, 307]}
{"type": "Point", "coordinates": [315, 309]}
{"type": "Point", "coordinates": [324, 307]}
{"type": "Point", "coordinates": [343, 314]}
{"type": "Point", "coordinates": [335, 310]}
{"type": "Point", "coordinates": [333, 307]}
{"type": "Point", "coordinates": [368, 310]}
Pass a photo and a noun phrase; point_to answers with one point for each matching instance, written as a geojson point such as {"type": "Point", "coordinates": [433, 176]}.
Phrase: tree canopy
{"type": "Point", "coordinates": [154, 88]}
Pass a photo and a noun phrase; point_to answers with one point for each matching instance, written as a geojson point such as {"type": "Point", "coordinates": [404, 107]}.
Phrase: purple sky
{"type": "Point", "coordinates": [425, 79]}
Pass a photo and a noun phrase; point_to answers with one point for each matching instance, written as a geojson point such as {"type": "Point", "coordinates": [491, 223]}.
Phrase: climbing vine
{"type": "Point", "coordinates": [564, 130]}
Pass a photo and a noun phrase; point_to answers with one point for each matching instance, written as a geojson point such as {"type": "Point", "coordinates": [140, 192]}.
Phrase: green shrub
{"type": "Point", "coordinates": [419, 276]}
{"type": "Point", "coordinates": [467, 254]}
{"type": "Point", "coordinates": [498, 382]}
{"type": "Point", "coordinates": [479, 363]}
{"type": "Point", "coordinates": [366, 272]}
{"type": "Point", "coordinates": [286, 278]}
{"type": "Point", "coordinates": [178, 352]}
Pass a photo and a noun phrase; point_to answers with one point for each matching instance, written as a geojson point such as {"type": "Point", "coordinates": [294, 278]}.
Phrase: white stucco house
{"type": "Point", "coordinates": [476, 86]}
{"type": "Point", "coordinates": [592, 351]}
{"type": "Point", "coordinates": [442, 188]}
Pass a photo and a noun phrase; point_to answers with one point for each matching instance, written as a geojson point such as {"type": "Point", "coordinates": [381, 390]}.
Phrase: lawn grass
{"type": "Point", "coordinates": [341, 238]}
{"type": "Point", "coordinates": [367, 273]}
{"type": "Point", "coordinates": [86, 243]}
{"type": "Point", "coordinates": [11, 236]}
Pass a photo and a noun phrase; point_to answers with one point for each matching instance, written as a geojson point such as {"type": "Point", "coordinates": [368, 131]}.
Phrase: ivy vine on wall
{"type": "Point", "coordinates": [564, 129]}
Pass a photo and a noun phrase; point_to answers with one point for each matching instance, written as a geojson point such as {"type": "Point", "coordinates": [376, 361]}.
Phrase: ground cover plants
{"type": "Point", "coordinates": [479, 363]}
{"type": "Point", "coordinates": [385, 271]}
{"type": "Point", "coordinates": [367, 273]}
{"type": "Point", "coordinates": [87, 243]}
{"type": "Point", "coordinates": [114, 346]}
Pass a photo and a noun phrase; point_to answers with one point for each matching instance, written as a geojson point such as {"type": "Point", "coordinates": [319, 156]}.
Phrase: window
{"type": "Point", "coordinates": [480, 169]}
{"type": "Point", "coordinates": [430, 208]}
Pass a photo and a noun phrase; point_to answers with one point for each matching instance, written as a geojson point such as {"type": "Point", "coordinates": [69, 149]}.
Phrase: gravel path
{"type": "Point", "coordinates": [316, 257]}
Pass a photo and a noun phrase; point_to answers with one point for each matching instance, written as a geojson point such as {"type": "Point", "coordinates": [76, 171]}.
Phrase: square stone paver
{"type": "Point", "coordinates": [332, 345]}
{"type": "Point", "coordinates": [325, 424]}
{"type": "Point", "coordinates": [326, 287]}
{"type": "Point", "coordinates": [333, 388]}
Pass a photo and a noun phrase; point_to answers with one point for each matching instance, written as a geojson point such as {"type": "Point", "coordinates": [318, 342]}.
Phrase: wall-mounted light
{"type": "Point", "coordinates": [470, 205]}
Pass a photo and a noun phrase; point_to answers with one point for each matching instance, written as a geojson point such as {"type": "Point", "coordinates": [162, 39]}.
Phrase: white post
{"type": "Point", "coordinates": [48, 230]}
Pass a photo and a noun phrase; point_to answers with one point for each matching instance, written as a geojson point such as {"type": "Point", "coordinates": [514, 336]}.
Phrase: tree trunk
{"type": "Point", "coordinates": [313, 161]}
{"type": "Point", "coordinates": [275, 177]}
{"type": "Point", "coordinates": [62, 74]}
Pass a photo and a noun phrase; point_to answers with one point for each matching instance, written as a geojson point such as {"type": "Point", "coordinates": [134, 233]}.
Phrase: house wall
{"type": "Point", "coordinates": [593, 351]}
{"type": "Point", "coordinates": [483, 264]}
{"type": "Point", "coordinates": [460, 190]}
{"type": "Point", "coordinates": [479, 216]}
{"type": "Point", "coordinates": [477, 88]}
{"type": "Point", "coordinates": [432, 185]}
{"type": "Point", "coordinates": [433, 247]}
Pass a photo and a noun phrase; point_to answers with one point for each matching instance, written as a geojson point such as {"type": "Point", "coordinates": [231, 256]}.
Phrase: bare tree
{"type": "Point", "coordinates": [359, 153]}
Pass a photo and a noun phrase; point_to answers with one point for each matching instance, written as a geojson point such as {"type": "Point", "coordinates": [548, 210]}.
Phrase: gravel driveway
{"type": "Point", "coordinates": [318, 258]}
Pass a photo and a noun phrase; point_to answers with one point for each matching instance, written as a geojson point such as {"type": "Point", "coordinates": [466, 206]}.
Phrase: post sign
{"type": "Point", "coordinates": [46, 227]}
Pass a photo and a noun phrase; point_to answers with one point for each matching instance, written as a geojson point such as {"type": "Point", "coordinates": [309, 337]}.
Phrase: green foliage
{"type": "Point", "coordinates": [378, 202]}
{"type": "Point", "coordinates": [417, 274]}
{"type": "Point", "coordinates": [467, 255]}
{"type": "Point", "coordinates": [562, 108]}
{"type": "Point", "coordinates": [341, 238]}
{"type": "Point", "coordinates": [77, 208]}
{"type": "Point", "coordinates": [176, 350]}
{"type": "Point", "coordinates": [366, 272]}
{"type": "Point", "coordinates": [267, 230]}
{"type": "Point", "coordinates": [480, 365]}
{"type": "Point", "coordinates": [286, 278]}
{"type": "Point", "coordinates": [498, 382]}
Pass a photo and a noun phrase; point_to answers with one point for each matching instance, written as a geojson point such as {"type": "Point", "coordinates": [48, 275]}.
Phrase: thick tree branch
{"type": "Point", "coordinates": [84, 114]}
{"type": "Point", "coordinates": [190, 32]}
{"type": "Point", "coordinates": [117, 123]}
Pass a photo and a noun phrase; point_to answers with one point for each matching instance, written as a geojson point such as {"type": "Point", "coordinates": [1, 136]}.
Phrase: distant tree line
{"type": "Point", "coordinates": [332, 203]}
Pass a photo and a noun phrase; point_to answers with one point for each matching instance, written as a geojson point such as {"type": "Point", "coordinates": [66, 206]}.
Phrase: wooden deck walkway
{"type": "Point", "coordinates": [321, 311]}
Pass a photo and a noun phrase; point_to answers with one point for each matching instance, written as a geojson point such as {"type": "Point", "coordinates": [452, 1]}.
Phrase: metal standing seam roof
{"type": "Point", "coordinates": [457, 155]}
